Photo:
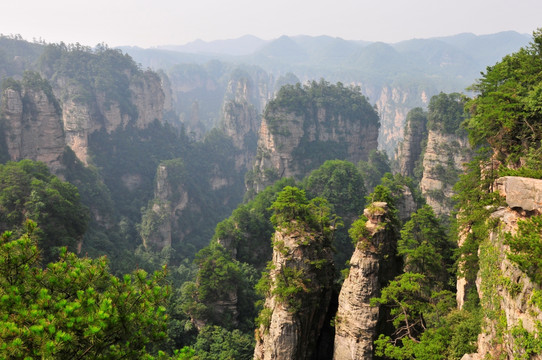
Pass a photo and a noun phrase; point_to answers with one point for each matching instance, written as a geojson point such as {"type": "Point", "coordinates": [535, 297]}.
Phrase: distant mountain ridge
{"type": "Point", "coordinates": [243, 45]}
{"type": "Point", "coordinates": [457, 58]}
{"type": "Point", "coordinates": [395, 77]}
{"type": "Point", "coordinates": [493, 44]}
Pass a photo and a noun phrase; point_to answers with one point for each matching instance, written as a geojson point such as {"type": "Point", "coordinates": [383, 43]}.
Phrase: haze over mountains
{"type": "Point", "coordinates": [327, 52]}
{"type": "Point", "coordinates": [263, 163]}
{"type": "Point", "coordinates": [395, 77]}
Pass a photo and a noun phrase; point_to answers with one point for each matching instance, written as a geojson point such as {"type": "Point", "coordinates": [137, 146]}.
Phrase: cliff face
{"type": "Point", "coordinates": [33, 126]}
{"type": "Point", "coordinates": [191, 195]}
{"type": "Point", "coordinates": [394, 103]}
{"type": "Point", "coordinates": [509, 298]}
{"type": "Point", "coordinates": [97, 112]}
{"type": "Point", "coordinates": [371, 266]}
{"type": "Point", "coordinates": [443, 161]}
{"type": "Point", "coordinates": [240, 121]}
{"type": "Point", "coordinates": [161, 219]}
{"type": "Point", "coordinates": [302, 142]}
{"type": "Point", "coordinates": [200, 92]}
{"type": "Point", "coordinates": [410, 149]}
{"type": "Point", "coordinates": [293, 321]}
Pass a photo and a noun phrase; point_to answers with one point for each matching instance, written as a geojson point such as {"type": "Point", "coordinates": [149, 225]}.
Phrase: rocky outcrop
{"type": "Point", "coordinates": [520, 192]}
{"type": "Point", "coordinates": [405, 203]}
{"type": "Point", "coordinates": [372, 265]}
{"type": "Point", "coordinates": [240, 122]}
{"type": "Point", "coordinates": [508, 296]}
{"type": "Point", "coordinates": [410, 149]}
{"type": "Point", "coordinates": [33, 124]}
{"type": "Point", "coordinates": [199, 92]}
{"type": "Point", "coordinates": [394, 103]}
{"type": "Point", "coordinates": [97, 111]}
{"type": "Point", "coordinates": [443, 161]}
{"type": "Point", "coordinates": [292, 143]}
{"type": "Point", "coordinates": [301, 282]}
{"type": "Point", "coordinates": [160, 220]}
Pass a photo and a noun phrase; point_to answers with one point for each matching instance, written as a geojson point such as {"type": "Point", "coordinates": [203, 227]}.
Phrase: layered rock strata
{"type": "Point", "coordinates": [507, 295]}
{"type": "Point", "coordinates": [443, 161]}
{"type": "Point", "coordinates": [82, 118]}
{"type": "Point", "coordinates": [372, 265]}
{"type": "Point", "coordinates": [301, 143]}
{"type": "Point", "coordinates": [292, 324]}
{"type": "Point", "coordinates": [162, 216]}
{"type": "Point", "coordinates": [33, 126]}
{"type": "Point", "coordinates": [410, 149]}
{"type": "Point", "coordinates": [240, 122]}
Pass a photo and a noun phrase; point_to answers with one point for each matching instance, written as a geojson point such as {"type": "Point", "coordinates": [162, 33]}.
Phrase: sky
{"type": "Point", "coordinates": [150, 23]}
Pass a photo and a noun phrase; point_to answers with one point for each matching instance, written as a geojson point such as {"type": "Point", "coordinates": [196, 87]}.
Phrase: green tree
{"type": "Point", "coordinates": [291, 204]}
{"type": "Point", "coordinates": [507, 113]}
{"type": "Point", "coordinates": [446, 112]}
{"type": "Point", "coordinates": [292, 208]}
{"type": "Point", "coordinates": [218, 277]}
{"type": "Point", "coordinates": [216, 343]}
{"type": "Point", "coordinates": [74, 308]}
{"type": "Point", "coordinates": [418, 315]}
{"type": "Point", "coordinates": [341, 184]}
{"type": "Point", "coordinates": [29, 191]}
{"type": "Point", "coordinates": [374, 168]}
{"type": "Point", "coordinates": [249, 229]}
{"type": "Point", "coordinates": [526, 247]}
{"type": "Point", "coordinates": [426, 247]}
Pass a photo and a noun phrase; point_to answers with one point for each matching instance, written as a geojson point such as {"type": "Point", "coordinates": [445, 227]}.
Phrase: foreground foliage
{"type": "Point", "coordinates": [74, 308]}
{"type": "Point", "coordinates": [526, 247]}
{"type": "Point", "coordinates": [507, 114]}
{"type": "Point", "coordinates": [421, 301]}
{"type": "Point", "coordinates": [29, 191]}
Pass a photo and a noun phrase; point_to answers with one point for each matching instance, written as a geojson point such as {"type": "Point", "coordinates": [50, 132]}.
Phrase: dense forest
{"type": "Point", "coordinates": [146, 241]}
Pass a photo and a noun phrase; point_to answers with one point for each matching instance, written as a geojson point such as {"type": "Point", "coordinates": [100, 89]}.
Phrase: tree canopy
{"type": "Point", "coordinates": [507, 113]}
{"type": "Point", "coordinates": [74, 308]}
{"type": "Point", "coordinates": [29, 191]}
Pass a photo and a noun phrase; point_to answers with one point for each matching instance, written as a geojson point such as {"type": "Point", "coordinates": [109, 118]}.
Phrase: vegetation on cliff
{"type": "Point", "coordinates": [212, 305]}
{"type": "Point", "coordinates": [74, 308]}
{"type": "Point", "coordinates": [298, 283]}
{"type": "Point", "coordinates": [337, 100]}
{"type": "Point", "coordinates": [503, 118]}
{"type": "Point", "coordinates": [507, 113]}
{"type": "Point", "coordinates": [29, 191]}
{"type": "Point", "coordinates": [306, 125]}
{"type": "Point", "coordinates": [93, 71]}
{"type": "Point", "coordinates": [422, 304]}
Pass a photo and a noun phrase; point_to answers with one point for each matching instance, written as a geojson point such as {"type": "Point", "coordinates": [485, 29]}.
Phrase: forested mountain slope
{"type": "Point", "coordinates": [143, 191]}
{"type": "Point", "coordinates": [395, 77]}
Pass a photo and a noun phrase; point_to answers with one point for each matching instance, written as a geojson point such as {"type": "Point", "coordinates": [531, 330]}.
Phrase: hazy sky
{"type": "Point", "coordinates": [148, 23]}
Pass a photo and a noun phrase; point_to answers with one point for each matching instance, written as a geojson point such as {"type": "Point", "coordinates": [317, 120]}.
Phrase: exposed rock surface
{"type": "Point", "coordinates": [371, 266]}
{"type": "Point", "coordinates": [301, 258]}
{"type": "Point", "coordinates": [394, 103]}
{"type": "Point", "coordinates": [521, 192]}
{"type": "Point", "coordinates": [462, 285]}
{"type": "Point", "coordinates": [443, 161]}
{"type": "Point", "coordinates": [82, 118]}
{"type": "Point", "coordinates": [240, 122]}
{"type": "Point", "coordinates": [163, 215]}
{"type": "Point", "coordinates": [406, 204]}
{"type": "Point", "coordinates": [33, 126]}
{"type": "Point", "coordinates": [303, 142]}
{"type": "Point", "coordinates": [506, 293]}
{"type": "Point", "coordinates": [410, 149]}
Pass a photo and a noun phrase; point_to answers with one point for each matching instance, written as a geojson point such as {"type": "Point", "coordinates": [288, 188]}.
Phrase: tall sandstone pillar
{"type": "Point", "coordinates": [301, 280]}
{"type": "Point", "coordinates": [372, 265]}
